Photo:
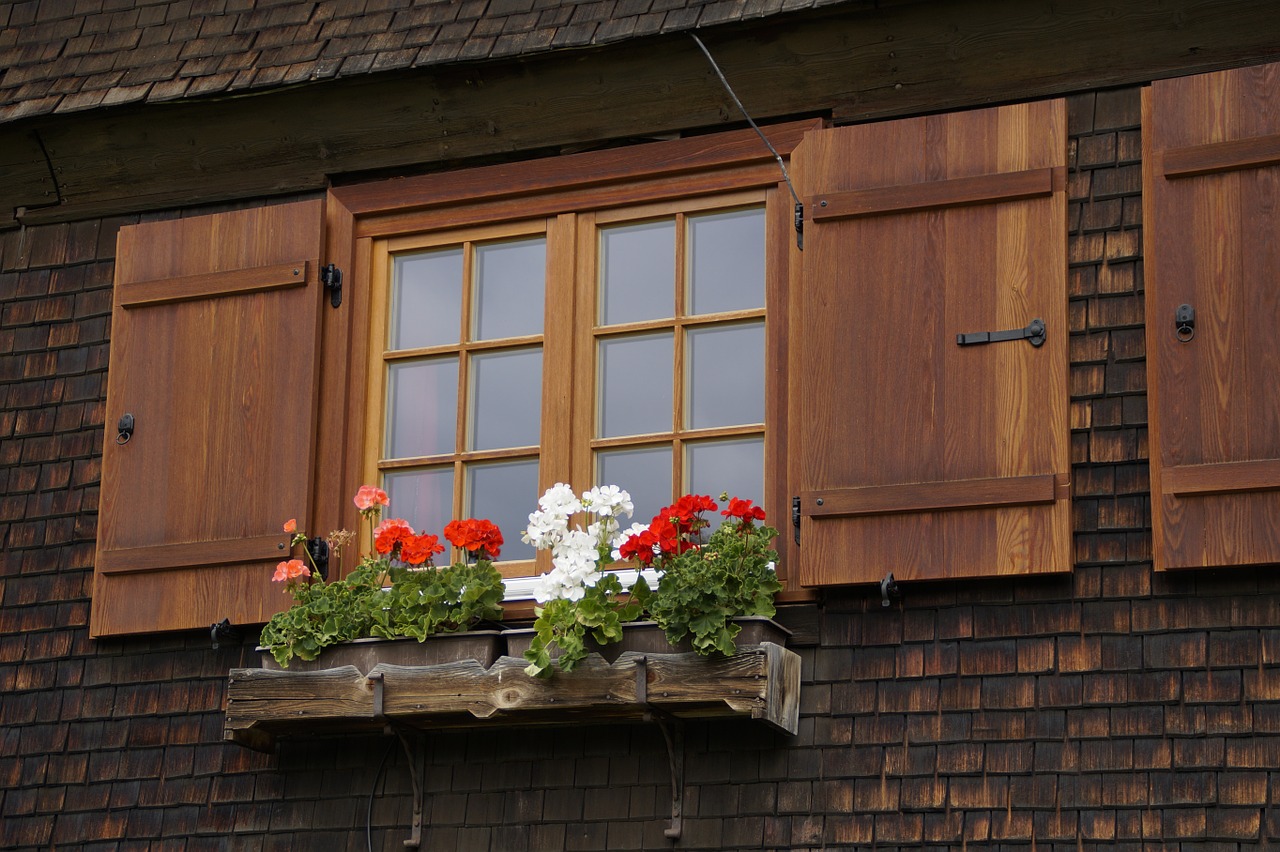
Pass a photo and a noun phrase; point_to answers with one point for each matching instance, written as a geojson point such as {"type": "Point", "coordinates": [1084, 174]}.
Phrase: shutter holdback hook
{"type": "Point", "coordinates": [124, 429]}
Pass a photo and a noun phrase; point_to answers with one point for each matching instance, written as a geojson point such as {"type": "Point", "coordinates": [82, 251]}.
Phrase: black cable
{"type": "Point", "coordinates": [785, 175]}
{"type": "Point", "coordinates": [368, 814]}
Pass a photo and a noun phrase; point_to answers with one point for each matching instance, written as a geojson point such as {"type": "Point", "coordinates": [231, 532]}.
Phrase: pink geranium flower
{"type": "Point", "coordinates": [369, 497]}
{"type": "Point", "coordinates": [291, 569]}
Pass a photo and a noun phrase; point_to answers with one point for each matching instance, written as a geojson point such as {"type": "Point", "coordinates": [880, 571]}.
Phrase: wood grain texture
{"type": "Point", "coordinates": [890, 403]}
{"type": "Point", "coordinates": [901, 59]}
{"type": "Point", "coordinates": [1210, 242]}
{"type": "Point", "coordinates": [929, 496]}
{"type": "Point", "coordinates": [1252, 153]}
{"type": "Point", "coordinates": [142, 294]}
{"type": "Point", "coordinates": [933, 195]}
{"type": "Point", "coordinates": [760, 681]}
{"type": "Point", "coordinates": [222, 385]}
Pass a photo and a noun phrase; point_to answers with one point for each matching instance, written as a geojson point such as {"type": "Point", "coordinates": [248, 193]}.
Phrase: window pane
{"type": "Point", "coordinates": [510, 288]}
{"type": "Point", "coordinates": [645, 473]}
{"type": "Point", "coordinates": [506, 394]}
{"type": "Point", "coordinates": [726, 375]}
{"type": "Point", "coordinates": [424, 498]}
{"type": "Point", "coordinates": [736, 466]}
{"type": "Point", "coordinates": [637, 272]}
{"type": "Point", "coordinates": [422, 400]}
{"type": "Point", "coordinates": [426, 302]}
{"type": "Point", "coordinates": [726, 261]}
{"type": "Point", "coordinates": [635, 384]}
{"type": "Point", "coordinates": [505, 493]}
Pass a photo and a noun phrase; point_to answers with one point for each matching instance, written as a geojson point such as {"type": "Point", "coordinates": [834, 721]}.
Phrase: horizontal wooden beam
{"type": "Point", "coordinates": [930, 496]}
{"type": "Point", "coordinates": [1253, 153]}
{"type": "Point", "coordinates": [851, 61]}
{"type": "Point", "coordinates": [234, 282]}
{"type": "Point", "coordinates": [1196, 480]}
{"type": "Point", "coordinates": [932, 195]}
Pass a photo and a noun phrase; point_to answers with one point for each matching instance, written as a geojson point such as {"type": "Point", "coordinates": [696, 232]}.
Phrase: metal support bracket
{"type": "Point", "coordinates": [416, 751]}
{"type": "Point", "coordinates": [673, 734]}
{"type": "Point", "coordinates": [1034, 333]}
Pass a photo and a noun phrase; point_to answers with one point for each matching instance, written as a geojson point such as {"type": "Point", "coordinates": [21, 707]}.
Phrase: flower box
{"type": "Point", "coordinates": [646, 637]}
{"type": "Point", "coordinates": [483, 646]}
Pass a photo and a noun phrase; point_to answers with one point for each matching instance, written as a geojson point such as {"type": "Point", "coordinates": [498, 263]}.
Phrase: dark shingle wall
{"type": "Point", "coordinates": [1109, 708]}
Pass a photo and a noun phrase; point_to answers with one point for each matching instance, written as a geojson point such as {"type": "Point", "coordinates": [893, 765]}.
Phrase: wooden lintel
{"type": "Point", "coordinates": [760, 681]}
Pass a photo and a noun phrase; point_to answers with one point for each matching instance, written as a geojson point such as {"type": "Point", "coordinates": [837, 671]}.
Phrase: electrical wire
{"type": "Point", "coordinates": [368, 814]}
{"type": "Point", "coordinates": [781, 165]}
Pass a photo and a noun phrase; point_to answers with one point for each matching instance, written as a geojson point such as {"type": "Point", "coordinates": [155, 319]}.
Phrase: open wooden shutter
{"type": "Point", "coordinates": [213, 352]}
{"type": "Point", "coordinates": [1212, 213]}
{"type": "Point", "coordinates": [920, 456]}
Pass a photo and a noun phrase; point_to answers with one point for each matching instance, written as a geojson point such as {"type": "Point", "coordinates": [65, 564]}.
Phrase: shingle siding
{"type": "Point", "coordinates": [286, 41]}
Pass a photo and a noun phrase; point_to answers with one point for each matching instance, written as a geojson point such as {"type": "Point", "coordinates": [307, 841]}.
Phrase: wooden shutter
{"type": "Point", "coordinates": [213, 351]}
{"type": "Point", "coordinates": [919, 456]}
{"type": "Point", "coordinates": [1212, 211]}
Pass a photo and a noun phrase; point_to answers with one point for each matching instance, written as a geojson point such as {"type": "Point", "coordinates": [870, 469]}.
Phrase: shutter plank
{"type": "Point", "coordinates": [239, 281]}
{"type": "Point", "coordinates": [1211, 190]}
{"type": "Point", "coordinates": [940, 460]}
{"type": "Point", "coordinates": [214, 352]}
{"type": "Point", "coordinates": [934, 195]}
{"type": "Point", "coordinates": [1252, 153]}
{"type": "Point", "coordinates": [931, 496]}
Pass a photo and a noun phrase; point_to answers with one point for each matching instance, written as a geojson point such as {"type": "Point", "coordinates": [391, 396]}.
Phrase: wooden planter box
{"type": "Point", "coordinates": [483, 646]}
{"type": "Point", "coordinates": [646, 637]}
{"type": "Point", "coordinates": [760, 681]}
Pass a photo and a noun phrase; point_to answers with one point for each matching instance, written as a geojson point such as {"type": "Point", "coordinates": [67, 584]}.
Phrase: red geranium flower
{"type": "Point", "coordinates": [477, 535]}
{"type": "Point", "coordinates": [291, 525]}
{"type": "Point", "coordinates": [639, 547]}
{"type": "Point", "coordinates": [420, 548]}
{"type": "Point", "coordinates": [390, 533]}
{"type": "Point", "coordinates": [744, 510]}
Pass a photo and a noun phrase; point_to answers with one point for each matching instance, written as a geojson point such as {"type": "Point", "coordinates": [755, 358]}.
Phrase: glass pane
{"type": "Point", "coordinates": [510, 288]}
{"type": "Point", "coordinates": [726, 261]}
{"type": "Point", "coordinates": [422, 400]}
{"type": "Point", "coordinates": [726, 375]}
{"type": "Point", "coordinates": [635, 384]}
{"type": "Point", "coordinates": [637, 272]}
{"type": "Point", "coordinates": [736, 466]}
{"type": "Point", "coordinates": [506, 399]}
{"type": "Point", "coordinates": [424, 498]}
{"type": "Point", "coordinates": [505, 493]}
{"type": "Point", "coordinates": [426, 300]}
{"type": "Point", "coordinates": [645, 472]}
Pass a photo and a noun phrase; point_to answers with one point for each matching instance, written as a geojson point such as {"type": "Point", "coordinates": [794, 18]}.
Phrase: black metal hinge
{"type": "Point", "coordinates": [795, 517]}
{"type": "Point", "coordinates": [318, 549]}
{"type": "Point", "coordinates": [331, 278]}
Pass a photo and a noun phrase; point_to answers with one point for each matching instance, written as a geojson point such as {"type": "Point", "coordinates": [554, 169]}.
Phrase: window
{"type": "Point", "coordinates": [624, 345]}
{"type": "Point", "coordinates": [456, 396]}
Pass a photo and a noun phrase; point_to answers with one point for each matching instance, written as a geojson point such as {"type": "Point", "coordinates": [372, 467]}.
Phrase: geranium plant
{"type": "Point", "coordinates": [578, 598]}
{"type": "Point", "coordinates": [395, 591]}
{"type": "Point", "coordinates": [702, 585]}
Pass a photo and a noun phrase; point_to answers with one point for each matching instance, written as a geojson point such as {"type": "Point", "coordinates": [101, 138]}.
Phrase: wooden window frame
{"type": "Point", "coordinates": [723, 168]}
